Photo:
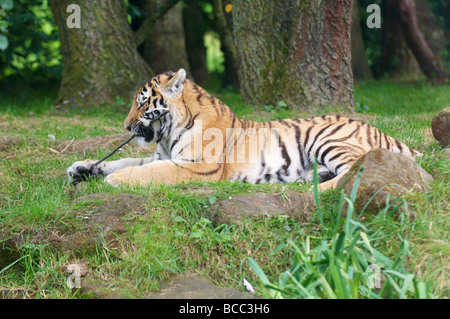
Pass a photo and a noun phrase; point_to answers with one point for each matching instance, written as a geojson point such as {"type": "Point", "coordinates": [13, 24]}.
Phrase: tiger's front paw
{"type": "Point", "coordinates": [82, 170]}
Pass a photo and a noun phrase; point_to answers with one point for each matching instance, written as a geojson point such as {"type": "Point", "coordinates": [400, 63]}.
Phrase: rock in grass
{"type": "Point", "coordinates": [385, 174]}
{"type": "Point", "coordinates": [299, 206]}
{"type": "Point", "coordinates": [192, 286]}
{"type": "Point", "coordinates": [440, 126]}
{"type": "Point", "coordinates": [189, 286]}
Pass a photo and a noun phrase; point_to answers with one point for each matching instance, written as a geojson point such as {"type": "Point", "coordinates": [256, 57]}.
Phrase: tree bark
{"type": "Point", "coordinates": [433, 32]}
{"type": "Point", "coordinates": [360, 66]}
{"type": "Point", "coordinates": [165, 48]}
{"type": "Point", "coordinates": [428, 62]}
{"type": "Point", "coordinates": [397, 60]}
{"type": "Point", "coordinates": [195, 28]}
{"type": "Point", "coordinates": [295, 51]}
{"type": "Point", "coordinates": [100, 58]}
{"type": "Point", "coordinates": [227, 45]}
{"type": "Point", "coordinates": [158, 12]}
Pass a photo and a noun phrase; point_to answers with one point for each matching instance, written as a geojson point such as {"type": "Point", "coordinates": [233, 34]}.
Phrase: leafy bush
{"type": "Point", "coordinates": [29, 42]}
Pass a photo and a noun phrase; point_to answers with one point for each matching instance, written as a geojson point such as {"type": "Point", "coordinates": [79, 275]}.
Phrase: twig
{"type": "Point", "coordinates": [68, 145]}
{"type": "Point", "coordinates": [52, 150]}
{"type": "Point", "coordinates": [130, 138]}
{"type": "Point", "coordinates": [115, 150]}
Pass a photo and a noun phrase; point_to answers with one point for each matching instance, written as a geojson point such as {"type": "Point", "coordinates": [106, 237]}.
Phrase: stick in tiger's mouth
{"type": "Point", "coordinates": [165, 111]}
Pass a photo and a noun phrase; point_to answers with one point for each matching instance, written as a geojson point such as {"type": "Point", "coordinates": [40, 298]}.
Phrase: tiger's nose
{"type": "Point", "coordinates": [128, 127]}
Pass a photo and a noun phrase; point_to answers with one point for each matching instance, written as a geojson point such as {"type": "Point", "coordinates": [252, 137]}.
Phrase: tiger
{"type": "Point", "coordinates": [186, 150]}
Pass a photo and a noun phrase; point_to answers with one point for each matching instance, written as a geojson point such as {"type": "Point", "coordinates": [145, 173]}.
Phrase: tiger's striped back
{"type": "Point", "coordinates": [336, 141]}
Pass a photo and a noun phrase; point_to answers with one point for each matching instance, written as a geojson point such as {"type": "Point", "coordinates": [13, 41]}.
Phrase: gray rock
{"type": "Point", "coordinates": [440, 126]}
{"type": "Point", "coordinates": [298, 205]}
{"type": "Point", "coordinates": [396, 173]}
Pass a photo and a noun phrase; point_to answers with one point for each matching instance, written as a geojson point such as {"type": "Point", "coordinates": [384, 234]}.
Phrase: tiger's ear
{"type": "Point", "coordinates": [175, 85]}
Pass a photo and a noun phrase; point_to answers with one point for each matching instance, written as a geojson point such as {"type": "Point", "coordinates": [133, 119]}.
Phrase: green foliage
{"type": "Point", "coordinates": [5, 5]}
{"type": "Point", "coordinates": [281, 105]}
{"type": "Point", "coordinates": [214, 56]}
{"type": "Point", "coordinates": [361, 108]}
{"type": "Point", "coordinates": [32, 51]}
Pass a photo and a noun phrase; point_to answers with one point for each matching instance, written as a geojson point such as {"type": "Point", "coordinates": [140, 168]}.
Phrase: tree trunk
{"type": "Point", "coordinates": [100, 58]}
{"type": "Point", "coordinates": [165, 48]}
{"type": "Point", "coordinates": [360, 66]}
{"type": "Point", "coordinates": [406, 13]}
{"type": "Point", "coordinates": [195, 28]}
{"type": "Point", "coordinates": [431, 29]}
{"type": "Point", "coordinates": [226, 42]}
{"type": "Point", "coordinates": [397, 60]}
{"type": "Point", "coordinates": [295, 51]}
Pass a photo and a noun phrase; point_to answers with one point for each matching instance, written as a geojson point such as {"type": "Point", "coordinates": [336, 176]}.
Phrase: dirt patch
{"type": "Point", "coordinates": [90, 144]}
{"type": "Point", "coordinates": [298, 205]}
{"type": "Point", "coordinates": [103, 218]}
{"type": "Point", "coordinates": [94, 144]}
{"type": "Point", "coordinates": [9, 141]}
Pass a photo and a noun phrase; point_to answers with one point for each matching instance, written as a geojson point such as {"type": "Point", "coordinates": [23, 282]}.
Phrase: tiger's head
{"type": "Point", "coordinates": [162, 92]}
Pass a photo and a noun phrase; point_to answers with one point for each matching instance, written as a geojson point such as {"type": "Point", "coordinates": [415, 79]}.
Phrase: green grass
{"type": "Point", "coordinates": [344, 265]}
{"type": "Point", "coordinates": [178, 236]}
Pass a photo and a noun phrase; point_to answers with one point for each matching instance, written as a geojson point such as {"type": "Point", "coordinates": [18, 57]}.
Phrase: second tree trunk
{"type": "Point", "coordinates": [298, 52]}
